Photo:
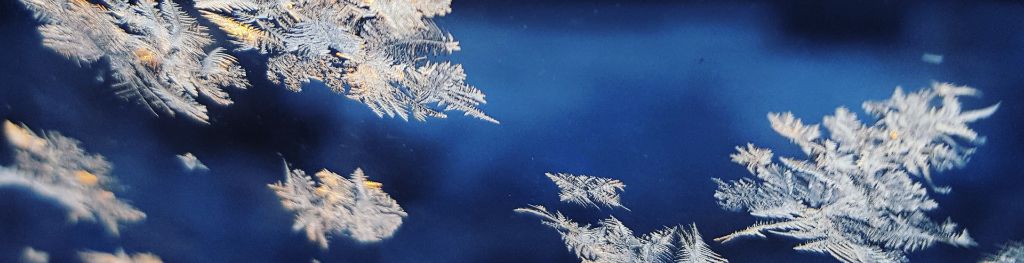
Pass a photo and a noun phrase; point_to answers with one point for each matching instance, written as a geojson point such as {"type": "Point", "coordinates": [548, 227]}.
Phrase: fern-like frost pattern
{"type": "Point", "coordinates": [55, 167]}
{"type": "Point", "coordinates": [855, 197]}
{"type": "Point", "coordinates": [588, 190]}
{"type": "Point", "coordinates": [378, 49]}
{"type": "Point", "coordinates": [156, 53]}
{"type": "Point", "coordinates": [354, 207]}
{"type": "Point", "coordinates": [610, 241]}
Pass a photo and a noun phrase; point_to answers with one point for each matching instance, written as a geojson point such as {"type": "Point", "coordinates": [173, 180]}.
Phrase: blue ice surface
{"type": "Point", "coordinates": [654, 94]}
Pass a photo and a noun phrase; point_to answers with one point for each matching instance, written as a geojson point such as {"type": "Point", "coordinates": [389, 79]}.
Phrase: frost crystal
{"type": "Point", "coordinates": [587, 190]}
{"type": "Point", "coordinates": [119, 257]}
{"type": "Point", "coordinates": [354, 207]}
{"type": "Point", "coordinates": [612, 242]}
{"type": "Point", "coordinates": [191, 162]}
{"type": "Point", "coordinates": [155, 52]}
{"type": "Point", "coordinates": [1011, 253]}
{"type": "Point", "coordinates": [53, 166]}
{"type": "Point", "coordinates": [855, 197]}
{"type": "Point", "coordinates": [379, 50]}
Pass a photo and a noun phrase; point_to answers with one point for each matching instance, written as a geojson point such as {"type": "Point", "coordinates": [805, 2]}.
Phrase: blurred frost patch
{"type": "Point", "coordinates": [191, 162]}
{"type": "Point", "coordinates": [118, 257]}
{"type": "Point", "coordinates": [932, 58]}
{"type": "Point", "coordinates": [54, 167]}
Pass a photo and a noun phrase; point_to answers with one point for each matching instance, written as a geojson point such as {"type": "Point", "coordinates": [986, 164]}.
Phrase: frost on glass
{"type": "Point", "coordinates": [118, 257]}
{"type": "Point", "coordinates": [54, 167]}
{"type": "Point", "coordinates": [1010, 253]}
{"type": "Point", "coordinates": [376, 52]}
{"type": "Point", "coordinates": [31, 255]}
{"type": "Point", "coordinates": [191, 162]}
{"type": "Point", "coordinates": [156, 53]}
{"type": "Point", "coordinates": [354, 207]}
{"type": "Point", "coordinates": [610, 241]}
{"type": "Point", "coordinates": [855, 197]}
{"type": "Point", "coordinates": [588, 190]}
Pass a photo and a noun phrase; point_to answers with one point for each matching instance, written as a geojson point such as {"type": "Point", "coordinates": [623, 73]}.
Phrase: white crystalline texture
{"type": "Point", "coordinates": [353, 207]}
{"type": "Point", "coordinates": [119, 257]}
{"type": "Point", "coordinates": [54, 167]}
{"type": "Point", "coordinates": [1010, 253]}
{"type": "Point", "coordinates": [855, 197]}
{"type": "Point", "coordinates": [157, 54]}
{"type": "Point", "coordinates": [611, 241]}
{"type": "Point", "coordinates": [376, 52]}
{"type": "Point", "coordinates": [588, 190]}
{"type": "Point", "coordinates": [191, 162]}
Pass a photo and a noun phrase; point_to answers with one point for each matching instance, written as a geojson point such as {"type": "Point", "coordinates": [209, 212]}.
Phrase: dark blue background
{"type": "Point", "coordinates": [656, 94]}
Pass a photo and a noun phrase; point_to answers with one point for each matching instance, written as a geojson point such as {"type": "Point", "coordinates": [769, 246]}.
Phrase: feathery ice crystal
{"type": "Point", "coordinates": [379, 49]}
{"type": "Point", "coordinates": [156, 52]}
{"type": "Point", "coordinates": [855, 198]}
{"type": "Point", "coordinates": [587, 190]}
{"type": "Point", "coordinates": [53, 166]}
{"type": "Point", "coordinates": [354, 207]}
{"type": "Point", "coordinates": [611, 241]}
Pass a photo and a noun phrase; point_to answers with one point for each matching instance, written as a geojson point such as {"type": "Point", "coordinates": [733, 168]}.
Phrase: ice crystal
{"type": "Point", "coordinates": [610, 241]}
{"type": "Point", "coordinates": [1010, 253]}
{"type": "Point", "coordinates": [354, 207]}
{"type": "Point", "coordinates": [587, 190]}
{"type": "Point", "coordinates": [53, 166]}
{"type": "Point", "coordinates": [118, 257]}
{"type": "Point", "coordinates": [378, 49]}
{"type": "Point", "coordinates": [191, 162]}
{"type": "Point", "coordinates": [157, 54]}
{"type": "Point", "coordinates": [855, 198]}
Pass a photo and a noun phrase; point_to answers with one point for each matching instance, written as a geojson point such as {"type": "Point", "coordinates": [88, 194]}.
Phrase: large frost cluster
{"type": "Point", "coordinates": [354, 207]}
{"type": "Point", "coordinates": [376, 52]}
{"type": "Point", "coordinates": [855, 197]}
{"type": "Point", "coordinates": [157, 54]}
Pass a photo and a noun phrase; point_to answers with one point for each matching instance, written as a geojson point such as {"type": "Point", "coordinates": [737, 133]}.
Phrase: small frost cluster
{"type": "Point", "coordinates": [588, 190]}
{"type": "Point", "coordinates": [378, 49]}
{"type": "Point", "coordinates": [610, 241]}
{"type": "Point", "coordinates": [353, 207]}
{"type": "Point", "coordinates": [53, 166]}
{"type": "Point", "coordinates": [855, 197]}
{"type": "Point", "coordinates": [157, 54]}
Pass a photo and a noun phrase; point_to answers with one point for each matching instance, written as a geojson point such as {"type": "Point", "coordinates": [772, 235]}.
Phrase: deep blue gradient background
{"type": "Point", "coordinates": [656, 94]}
